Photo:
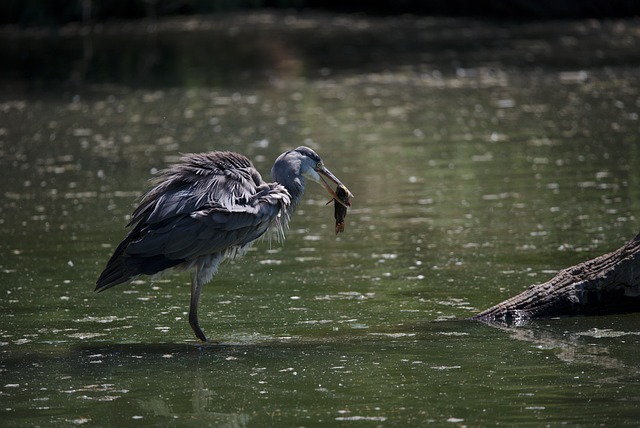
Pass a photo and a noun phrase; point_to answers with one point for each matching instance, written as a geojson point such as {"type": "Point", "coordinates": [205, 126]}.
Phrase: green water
{"type": "Point", "coordinates": [483, 157]}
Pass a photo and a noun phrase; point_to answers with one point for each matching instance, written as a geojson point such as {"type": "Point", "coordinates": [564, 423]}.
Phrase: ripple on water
{"type": "Point", "coordinates": [346, 295]}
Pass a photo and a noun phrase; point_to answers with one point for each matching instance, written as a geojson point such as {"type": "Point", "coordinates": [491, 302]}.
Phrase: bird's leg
{"type": "Point", "coordinates": [196, 288]}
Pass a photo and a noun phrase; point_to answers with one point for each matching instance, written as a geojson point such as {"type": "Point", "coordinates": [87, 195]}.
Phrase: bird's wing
{"type": "Point", "coordinates": [216, 178]}
{"type": "Point", "coordinates": [182, 234]}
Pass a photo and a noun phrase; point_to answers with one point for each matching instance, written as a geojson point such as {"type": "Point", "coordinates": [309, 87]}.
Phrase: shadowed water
{"type": "Point", "coordinates": [483, 158]}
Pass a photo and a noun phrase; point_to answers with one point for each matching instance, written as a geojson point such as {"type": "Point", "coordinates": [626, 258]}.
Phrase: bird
{"type": "Point", "coordinates": [209, 207]}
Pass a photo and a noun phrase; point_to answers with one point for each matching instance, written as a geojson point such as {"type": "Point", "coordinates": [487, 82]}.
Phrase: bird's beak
{"type": "Point", "coordinates": [325, 175]}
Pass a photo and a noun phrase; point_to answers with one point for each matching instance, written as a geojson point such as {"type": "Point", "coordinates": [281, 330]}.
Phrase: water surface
{"type": "Point", "coordinates": [484, 157]}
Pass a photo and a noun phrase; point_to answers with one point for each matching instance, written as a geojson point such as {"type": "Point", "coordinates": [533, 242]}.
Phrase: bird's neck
{"type": "Point", "coordinates": [295, 187]}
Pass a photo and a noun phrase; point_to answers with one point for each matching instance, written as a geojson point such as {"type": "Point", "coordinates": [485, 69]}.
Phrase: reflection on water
{"type": "Point", "coordinates": [441, 371]}
{"type": "Point", "coordinates": [483, 158]}
{"type": "Point", "coordinates": [575, 344]}
{"type": "Point", "coordinates": [241, 50]}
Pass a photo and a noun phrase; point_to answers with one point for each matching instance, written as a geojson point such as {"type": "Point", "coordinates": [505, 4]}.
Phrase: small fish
{"type": "Point", "coordinates": [340, 209]}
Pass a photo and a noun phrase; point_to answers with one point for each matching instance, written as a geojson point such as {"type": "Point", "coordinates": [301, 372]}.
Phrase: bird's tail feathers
{"type": "Point", "coordinates": [122, 268]}
{"type": "Point", "coordinates": [115, 272]}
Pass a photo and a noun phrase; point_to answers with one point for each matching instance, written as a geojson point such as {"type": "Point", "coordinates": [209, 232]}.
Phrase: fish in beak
{"type": "Point", "coordinates": [326, 175]}
{"type": "Point", "coordinates": [340, 211]}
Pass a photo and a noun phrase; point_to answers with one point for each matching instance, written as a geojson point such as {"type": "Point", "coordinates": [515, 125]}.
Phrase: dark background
{"type": "Point", "coordinates": [59, 12]}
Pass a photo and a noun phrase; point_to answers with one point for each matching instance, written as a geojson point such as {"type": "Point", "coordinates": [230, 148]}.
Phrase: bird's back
{"type": "Point", "coordinates": [207, 204]}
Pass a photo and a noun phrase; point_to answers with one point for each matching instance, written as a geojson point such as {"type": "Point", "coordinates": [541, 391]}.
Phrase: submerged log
{"type": "Point", "coordinates": [604, 285]}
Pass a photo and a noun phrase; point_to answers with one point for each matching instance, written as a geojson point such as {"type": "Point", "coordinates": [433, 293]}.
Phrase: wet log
{"type": "Point", "coordinates": [605, 285]}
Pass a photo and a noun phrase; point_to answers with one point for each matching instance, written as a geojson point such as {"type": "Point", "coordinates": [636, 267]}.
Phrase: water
{"type": "Point", "coordinates": [483, 157]}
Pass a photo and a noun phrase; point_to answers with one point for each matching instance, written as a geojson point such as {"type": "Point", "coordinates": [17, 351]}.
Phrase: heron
{"type": "Point", "coordinates": [209, 207]}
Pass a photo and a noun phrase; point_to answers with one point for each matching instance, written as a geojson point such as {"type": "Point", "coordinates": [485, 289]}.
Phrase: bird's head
{"type": "Point", "coordinates": [304, 162]}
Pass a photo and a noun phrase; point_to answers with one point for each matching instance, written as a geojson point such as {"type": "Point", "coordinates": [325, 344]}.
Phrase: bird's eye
{"type": "Point", "coordinates": [320, 165]}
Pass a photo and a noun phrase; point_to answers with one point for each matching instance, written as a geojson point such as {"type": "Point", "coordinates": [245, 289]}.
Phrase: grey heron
{"type": "Point", "coordinates": [207, 208]}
